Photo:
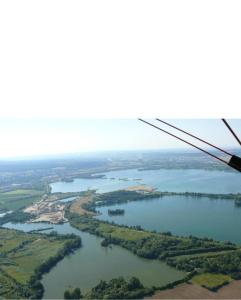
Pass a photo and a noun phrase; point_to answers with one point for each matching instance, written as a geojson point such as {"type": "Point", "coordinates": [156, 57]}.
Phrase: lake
{"type": "Point", "coordinates": [92, 263]}
{"type": "Point", "coordinates": [181, 215]}
{"type": "Point", "coordinates": [203, 217]}
{"type": "Point", "coordinates": [163, 180]}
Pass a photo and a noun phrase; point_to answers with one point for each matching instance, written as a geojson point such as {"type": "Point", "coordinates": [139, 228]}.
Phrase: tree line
{"type": "Point", "coordinates": [116, 288]}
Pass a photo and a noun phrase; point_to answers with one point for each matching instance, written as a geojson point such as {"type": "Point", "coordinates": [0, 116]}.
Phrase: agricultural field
{"type": "Point", "coordinates": [18, 199]}
{"type": "Point", "coordinates": [24, 257]}
{"type": "Point", "coordinates": [211, 281]}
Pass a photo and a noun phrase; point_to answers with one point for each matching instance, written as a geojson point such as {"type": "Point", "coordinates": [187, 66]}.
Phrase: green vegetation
{"type": "Point", "coordinates": [116, 212]}
{"type": "Point", "coordinates": [18, 199]}
{"type": "Point", "coordinates": [221, 260]}
{"type": "Point", "coordinates": [211, 281]}
{"type": "Point", "coordinates": [15, 217]}
{"type": "Point", "coordinates": [227, 263]}
{"type": "Point", "coordinates": [145, 243]}
{"type": "Point", "coordinates": [119, 288]}
{"type": "Point", "coordinates": [24, 257]}
{"type": "Point", "coordinates": [116, 288]}
{"type": "Point", "coordinates": [116, 197]}
{"type": "Point", "coordinates": [73, 294]}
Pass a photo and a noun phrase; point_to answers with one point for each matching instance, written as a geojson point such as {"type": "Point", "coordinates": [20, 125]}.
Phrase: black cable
{"type": "Point", "coordinates": [231, 130]}
{"type": "Point", "coordinates": [184, 141]}
{"type": "Point", "coordinates": [192, 135]}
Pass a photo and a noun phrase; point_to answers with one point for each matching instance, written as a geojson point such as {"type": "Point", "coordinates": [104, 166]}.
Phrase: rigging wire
{"type": "Point", "coordinates": [192, 135]}
{"type": "Point", "coordinates": [173, 135]}
{"type": "Point", "coordinates": [231, 130]}
{"type": "Point", "coordinates": [234, 162]}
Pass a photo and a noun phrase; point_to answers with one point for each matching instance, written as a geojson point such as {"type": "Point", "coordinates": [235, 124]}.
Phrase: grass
{"type": "Point", "coordinates": [123, 233]}
{"type": "Point", "coordinates": [20, 192]}
{"type": "Point", "coordinates": [18, 199]}
{"type": "Point", "coordinates": [25, 252]}
{"type": "Point", "coordinates": [105, 229]}
{"type": "Point", "coordinates": [10, 288]}
{"type": "Point", "coordinates": [211, 281]}
{"type": "Point", "coordinates": [20, 255]}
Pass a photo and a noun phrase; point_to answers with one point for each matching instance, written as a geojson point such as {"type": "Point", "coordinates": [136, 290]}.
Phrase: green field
{"type": "Point", "coordinates": [19, 199]}
{"type": "Point", "coordinates": [26, 256]}
{"type": "Point", "coordinates": [211, 281]}
{"type": "Point", "coordinates": [123, 233]}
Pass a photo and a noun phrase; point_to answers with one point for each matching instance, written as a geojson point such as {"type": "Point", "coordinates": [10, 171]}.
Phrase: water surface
{"type": "Point", "coordinates": [92, 263]}
{"type": "Point", "coordinates": [203, 217]}
{"type": "Point", "coordinates": [187, 180]}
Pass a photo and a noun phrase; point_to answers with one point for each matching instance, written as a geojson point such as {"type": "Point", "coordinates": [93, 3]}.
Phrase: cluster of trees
{"type": "Point", "coordinates": [122, 196]}
{"type": "Point", "coordinates": [114, 212]}
{"type": "Point", "coordinates": [228, 264]}
{"type": "Point", "coordinates": [73, 294]}
{"type": "Point", "coordinates": [15, 217]}
{"type": "Point", "coordinates": [212, 196]}
{"type": "Point", "coordinates": [119, 288]}
{"type": "Point", "coordinates": [159, 247]}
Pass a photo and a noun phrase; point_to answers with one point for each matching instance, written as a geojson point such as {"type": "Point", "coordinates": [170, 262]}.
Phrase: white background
{"type": "Point", "coordinates": [120, 59]}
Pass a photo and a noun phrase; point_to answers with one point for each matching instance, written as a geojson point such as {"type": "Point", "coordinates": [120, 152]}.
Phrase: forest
{"type": "Point", "coordinates": [119, 288]}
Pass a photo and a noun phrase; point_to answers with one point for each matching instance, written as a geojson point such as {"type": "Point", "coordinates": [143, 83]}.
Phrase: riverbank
{"type": "Point", "coordinates": [25, 257]}
{"type": "Point", "coordinates": [141, 188]}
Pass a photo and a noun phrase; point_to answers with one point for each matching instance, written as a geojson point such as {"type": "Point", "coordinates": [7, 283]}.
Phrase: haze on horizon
{"type": "Point", "coordinates": [41, 137]}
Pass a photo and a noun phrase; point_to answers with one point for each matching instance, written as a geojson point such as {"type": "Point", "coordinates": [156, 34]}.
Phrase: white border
{"type": "Point", "coordinates": [120, 59]}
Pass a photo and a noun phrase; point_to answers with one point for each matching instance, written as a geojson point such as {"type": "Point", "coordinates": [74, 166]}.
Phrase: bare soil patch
{"type": "Point", "coordinates": [140, 188]}
{"type": "Point", "coordinates": [194, 291]}
{"type": "Point", "coordinates": [77, 208]}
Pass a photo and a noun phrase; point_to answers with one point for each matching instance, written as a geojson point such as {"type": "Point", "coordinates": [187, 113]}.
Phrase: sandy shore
{"type": "Point", "coordinates": [76, 207]}
{"type": "Point", "coordinates": [193, 291]}
{"type": "Point", "coordinates": [140, 188]}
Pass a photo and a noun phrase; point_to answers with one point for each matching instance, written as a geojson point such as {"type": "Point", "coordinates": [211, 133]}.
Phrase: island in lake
{"type": "Point", "coordinates": [116, 212]}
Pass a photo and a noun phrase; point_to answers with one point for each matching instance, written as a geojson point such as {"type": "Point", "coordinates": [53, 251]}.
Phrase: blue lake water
{"type": "Point", "coordinates": [219, 219]}
{"type": "Point", "coordinates": [163, 180]}
{"type": "Point", "coordinates": [203, 217]}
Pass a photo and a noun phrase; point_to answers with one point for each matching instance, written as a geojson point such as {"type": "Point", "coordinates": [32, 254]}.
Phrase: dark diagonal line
{"type": "Point", "coordinates": [231, 130]}
{"type": "Point", "coordinates": [173, 135]}
{"type": "Point", "coordinates": [192, 135]}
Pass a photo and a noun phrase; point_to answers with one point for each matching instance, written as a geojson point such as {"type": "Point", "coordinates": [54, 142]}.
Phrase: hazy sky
{"type": "Point", "coordinates": [40, 137]}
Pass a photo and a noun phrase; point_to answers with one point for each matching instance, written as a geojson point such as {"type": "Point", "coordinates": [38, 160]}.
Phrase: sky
{"type": "Point", "coordinates": [24, 138]}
